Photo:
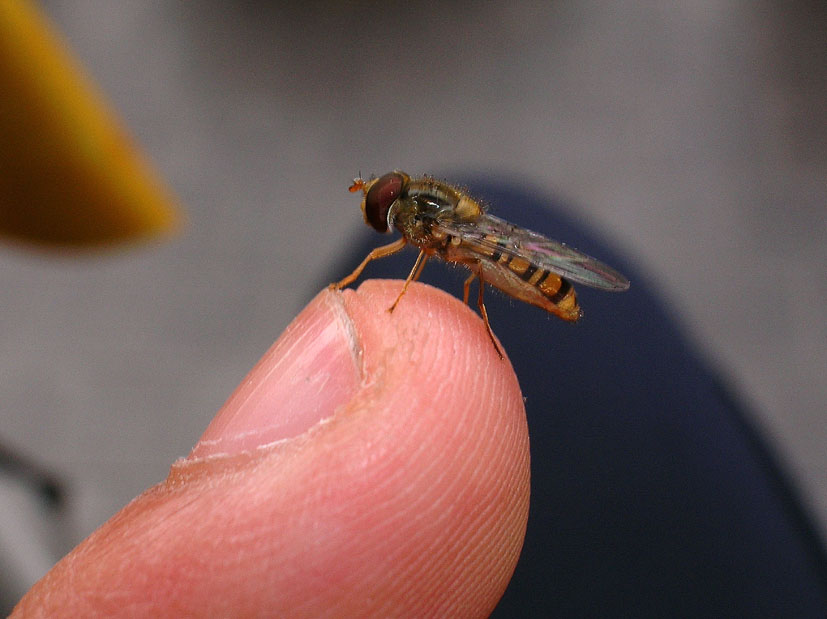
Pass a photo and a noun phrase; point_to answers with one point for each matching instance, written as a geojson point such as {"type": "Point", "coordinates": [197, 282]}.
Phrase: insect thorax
{"type": "Point", "coordinates": [427, 201]}
{"type": "Point", "coordinates": [415, 220]}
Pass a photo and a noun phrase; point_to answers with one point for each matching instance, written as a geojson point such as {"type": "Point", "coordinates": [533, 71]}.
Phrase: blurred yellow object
{"type": "Point", "coordinates": [69, 175]}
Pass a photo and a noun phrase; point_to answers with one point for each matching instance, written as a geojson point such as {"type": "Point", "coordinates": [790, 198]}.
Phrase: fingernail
{"type": "Point", "coordinates": [311, 370]}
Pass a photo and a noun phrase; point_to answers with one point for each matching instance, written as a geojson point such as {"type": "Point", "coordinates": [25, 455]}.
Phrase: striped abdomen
{"type": "Point", "coordinates": [517, 276]}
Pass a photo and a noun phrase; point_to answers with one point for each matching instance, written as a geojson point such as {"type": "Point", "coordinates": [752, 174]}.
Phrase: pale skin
{"type": "Point", "coordinates": [372, 463]}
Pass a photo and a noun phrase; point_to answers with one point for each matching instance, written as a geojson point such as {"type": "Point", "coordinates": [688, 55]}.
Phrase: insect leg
{"type": "Point", "coordinates": [481, 305]}
{"type": "Point", "coordinates": [421, 266]}
{"type": "Point", "coordinates": [379, 252]}
{"type": "Point", "coordinates": [466, 287]}
{"type": "Point", "coordinates": [420, 259]}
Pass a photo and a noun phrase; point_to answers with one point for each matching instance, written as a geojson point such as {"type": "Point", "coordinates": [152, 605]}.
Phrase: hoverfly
{"type": "Point", "coordinates": [443, 220]}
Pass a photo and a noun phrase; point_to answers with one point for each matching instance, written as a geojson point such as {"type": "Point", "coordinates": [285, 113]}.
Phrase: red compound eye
{"type": "Point", "coordinates": [378, 201]}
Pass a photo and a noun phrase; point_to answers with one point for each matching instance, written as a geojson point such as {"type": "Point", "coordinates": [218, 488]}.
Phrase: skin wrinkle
{"type": "Point", "coordinates": [482, 537]}
{"type": "Point", "coordinates": [488, 511]}
{"type": "Point", "coordinates": [337, 306]}
{"type": "Point", "coordinates": [414, 505]}
{"type": "Point", "coordinates": [448, 495]}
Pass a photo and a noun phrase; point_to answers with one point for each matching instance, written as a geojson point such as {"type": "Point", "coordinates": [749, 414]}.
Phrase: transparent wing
{"type": "Point", "coordinates": [497, 235]}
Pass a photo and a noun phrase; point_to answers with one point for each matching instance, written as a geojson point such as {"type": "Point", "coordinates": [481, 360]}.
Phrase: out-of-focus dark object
{"type": "Point", "coordinates": [40, 481]}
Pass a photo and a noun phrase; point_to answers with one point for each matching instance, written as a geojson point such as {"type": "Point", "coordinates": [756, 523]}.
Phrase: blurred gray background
{"type": "Point", "coordinates": [692, 134]}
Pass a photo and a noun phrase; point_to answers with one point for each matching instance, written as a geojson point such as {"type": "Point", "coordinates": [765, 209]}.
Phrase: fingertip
{"type": "Point", "coordinates": [408, 497]}
{"type": "Point", "coordinates": [456, 420]}
{"type": "Point", "coordinates": [317, 364]}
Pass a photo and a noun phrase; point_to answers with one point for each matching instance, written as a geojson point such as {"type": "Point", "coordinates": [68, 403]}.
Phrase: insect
{"type": "Point", "coordinates": [444, 221]}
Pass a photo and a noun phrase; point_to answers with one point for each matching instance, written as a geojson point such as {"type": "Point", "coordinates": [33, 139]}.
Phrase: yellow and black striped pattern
{"type": "Point", "coordinates": [557, 290]}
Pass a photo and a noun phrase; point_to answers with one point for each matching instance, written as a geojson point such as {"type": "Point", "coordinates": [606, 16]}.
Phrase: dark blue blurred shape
{"type": "Point", "coordinates": [652, 494]}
